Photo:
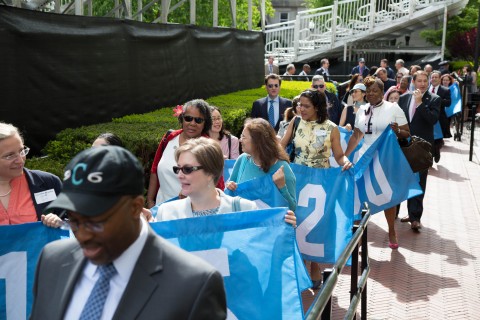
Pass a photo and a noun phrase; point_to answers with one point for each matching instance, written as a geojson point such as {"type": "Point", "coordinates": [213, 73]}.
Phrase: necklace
{"type": "Point", "coordinates": [6, 194]}
{"type": "Point", "coordinates": [258, 166]}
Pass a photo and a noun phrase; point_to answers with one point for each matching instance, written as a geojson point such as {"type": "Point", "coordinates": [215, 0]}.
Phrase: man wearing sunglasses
{"type": "Point", "coordinates": [361, 68]}
{"type": "Point", "coordinates": [334, 107]}
{"type": "Point", "coordinates": [116, 267]}
{"type": "Point", "coordinates": [272, 107]}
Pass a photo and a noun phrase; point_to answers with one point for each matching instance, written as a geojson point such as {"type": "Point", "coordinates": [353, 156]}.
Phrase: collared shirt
{"type": "Point", "coordinates": [20, 206]}
{"type": "Point", "coordinates": [276, 107]}
{"type": "Point", "coordinates": [412, 108]}
{"type": "Point", "coordinates": [435, 89]}
{"type": "Point", "coordinates": [124, 266]}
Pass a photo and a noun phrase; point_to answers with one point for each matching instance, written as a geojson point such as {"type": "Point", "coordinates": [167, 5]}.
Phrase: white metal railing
{"type": "Point", "coordinates": [332, 26]}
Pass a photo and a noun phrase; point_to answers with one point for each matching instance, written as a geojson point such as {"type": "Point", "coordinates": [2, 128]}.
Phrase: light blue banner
{"type": "Point", "coordinates": [383, 177]}
{"type": "Point", "coordinates": [228, 168]}
{"type": "Point", "coordinates": [437, 131]}
{"type": "Point", "coordinates": [456, 105]}
{"type": "Point", "coordinates": [257, 254]}
{"type": "Point", "coordinates": [20, 247]}
{"type": "Point", "coordinates": [324, 211]}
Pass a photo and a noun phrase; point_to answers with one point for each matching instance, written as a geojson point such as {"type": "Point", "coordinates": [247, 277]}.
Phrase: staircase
{"type": "Point", "coordinates": [336, 29]}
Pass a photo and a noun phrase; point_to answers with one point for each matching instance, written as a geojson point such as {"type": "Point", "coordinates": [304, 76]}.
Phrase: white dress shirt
{"type": "Point", "coordinates": [124, 266]}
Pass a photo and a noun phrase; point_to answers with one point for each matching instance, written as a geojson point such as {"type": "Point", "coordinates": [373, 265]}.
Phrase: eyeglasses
{"type": "Point", "coordinates": [13, 156]}
{"type": "Point", "coordinates": [190, 119]}
{"type": "Point", "coordinates": [273, 85]}
{"type": "Point", "coordinates": [316, 86]}
{"type": "Point", "coordinates": [186, 169]}
{"type": "Point", "coordinates": [216, 119]}
{"type": "Point", "coordinates": [92, 226]}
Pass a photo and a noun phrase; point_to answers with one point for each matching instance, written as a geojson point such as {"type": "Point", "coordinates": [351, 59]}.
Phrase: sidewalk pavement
{"type": "Point", "coordinates": [435, 274]}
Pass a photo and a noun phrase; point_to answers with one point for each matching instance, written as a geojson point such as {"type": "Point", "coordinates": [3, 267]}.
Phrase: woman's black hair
{"type": "Point", "coordinates": [223, 131]}
{"type": "Point", "coordinates": [111, 139]}
{"type": "Point", "coordinates": [319, 101]}
{"type": "Point", "coordinates": [204, 109]}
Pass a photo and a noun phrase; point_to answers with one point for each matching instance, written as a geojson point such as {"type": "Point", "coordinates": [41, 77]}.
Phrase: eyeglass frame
{"type": "Point", "coordinates": [273, 85]}
{"type": "Point", "coordinates": [318, 86]}
{"type": "Point", "coordinates": [189, 169]}
{"type": "Point", "coordinates": [14, 156]}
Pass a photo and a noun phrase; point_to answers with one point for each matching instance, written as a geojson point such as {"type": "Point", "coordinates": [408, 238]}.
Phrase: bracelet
{"type": "Point", "coordinates": [398, 131]}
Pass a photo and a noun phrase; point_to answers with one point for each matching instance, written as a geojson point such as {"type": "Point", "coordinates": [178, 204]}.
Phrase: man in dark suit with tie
{"type": "Point", "coordinates": [117, 267]}
{"type": "Point", "coordinates": [334, 107]}
{"type": "Point", "coordinates": [444, 94]}
{"type": "Point", "coordinates": [272, 107]}
{"type": "Point", "coordinates": [422, 109]}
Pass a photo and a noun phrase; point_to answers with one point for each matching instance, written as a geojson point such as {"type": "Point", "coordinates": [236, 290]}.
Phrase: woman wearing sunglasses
{"type": "Point", "coordinates": [199, 166]}
{"type": "Point", "coordinates": [23, 193]}
{"type": "Point", "coordinates": [196, 120]}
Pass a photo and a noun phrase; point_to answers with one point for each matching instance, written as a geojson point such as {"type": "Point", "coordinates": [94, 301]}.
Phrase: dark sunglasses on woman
{"type": "Point", "coordinates": [190, 119]}
{"type": "Point", "coordinates": [186, 169]}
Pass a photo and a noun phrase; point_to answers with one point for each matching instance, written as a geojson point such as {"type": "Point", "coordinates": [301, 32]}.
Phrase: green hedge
{"type": "Point", "coordinates": [141, 133]}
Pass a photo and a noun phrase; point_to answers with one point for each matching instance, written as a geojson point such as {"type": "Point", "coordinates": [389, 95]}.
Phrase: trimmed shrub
{"type": "Point", "coordinates": [141, 133]}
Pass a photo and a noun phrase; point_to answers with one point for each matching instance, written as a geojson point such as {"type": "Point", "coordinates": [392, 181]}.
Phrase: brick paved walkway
{"type": "Point", "coordinates": [435, 274]}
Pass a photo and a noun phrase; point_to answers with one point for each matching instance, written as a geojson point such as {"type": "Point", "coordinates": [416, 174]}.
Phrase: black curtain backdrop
{"type": "Point", "coordinates": [63, 71]}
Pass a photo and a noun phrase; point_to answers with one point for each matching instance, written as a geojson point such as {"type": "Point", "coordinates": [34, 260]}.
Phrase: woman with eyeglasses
{"type": "Point", "coordinates": [228, 142]}
{"type": "Point", "coordinates": [196, 120]}
{"type": "Point", "coordinates": [199, 166]}
{"type": "Point", "coordinates": [370, 122]}
{"type": "Point", "coordinates": [24, 193]}
{"type": "Point", "coordinates": [263, 156]}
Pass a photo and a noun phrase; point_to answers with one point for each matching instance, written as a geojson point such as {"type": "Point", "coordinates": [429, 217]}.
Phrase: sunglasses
{"type": "Point", "coordinates": [190, 119]}
{"type": "Point", "coordinates": [316, 86]}
{"type": "Point", "coordinates": [186, 169]}
{"type": "Point", "coordinates": [273, 85]}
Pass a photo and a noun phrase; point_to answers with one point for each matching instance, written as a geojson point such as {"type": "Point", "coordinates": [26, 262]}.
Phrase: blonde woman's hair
{"type": "Point", "coordinates": [207, 152]}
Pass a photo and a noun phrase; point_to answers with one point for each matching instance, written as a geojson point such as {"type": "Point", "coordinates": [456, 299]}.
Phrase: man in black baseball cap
{"type": "Point", "coordinates": [444, 65]}
{"type": "Point", "coordinates": [117, 268]}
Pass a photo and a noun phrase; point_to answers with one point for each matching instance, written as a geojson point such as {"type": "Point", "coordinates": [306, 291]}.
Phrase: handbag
{"type": "Point", "coordinates": [290, 148]}
{"type": "Point", "coordinates": [418, 153]}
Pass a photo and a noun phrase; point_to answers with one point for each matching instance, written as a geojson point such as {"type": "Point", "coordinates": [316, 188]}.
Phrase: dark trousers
{"type": "Point", "coordinates": [415, 204]}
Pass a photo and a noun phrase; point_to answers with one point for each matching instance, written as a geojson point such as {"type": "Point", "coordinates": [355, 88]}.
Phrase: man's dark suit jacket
{"type": "Point", "coordinates": [356, 70]}
{"type": "Point", "coordinates": [166, 283]}
{"type": "Point", "coordinates": [260, 109]}
{"type": "Point", "coordinates": [321, 72]}
{"type": "Point", "coordinates": [444, 94]}
{"type": "Point", "coordinates": [425, 117]}
{"type": "Point", "coordinates": [335, 111]}
{"type": "Point", "coordinates": [39, 181]}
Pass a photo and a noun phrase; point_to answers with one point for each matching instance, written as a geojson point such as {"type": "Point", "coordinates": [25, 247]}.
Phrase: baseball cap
{"type": "Point", "coordinates": [444, 62]}
{"type": "Point", "coordinates": [96, 179]}
{"type": "Point", "coordinates": [361, 60]}
{"type": "Point", "coordinates": [359, 86]}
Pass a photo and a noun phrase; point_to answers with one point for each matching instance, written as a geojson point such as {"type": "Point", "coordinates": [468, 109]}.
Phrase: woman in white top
{"type": "Point", "coordinates": [199, 166]}
{"type": "Point", "coordinates": [370, 122]}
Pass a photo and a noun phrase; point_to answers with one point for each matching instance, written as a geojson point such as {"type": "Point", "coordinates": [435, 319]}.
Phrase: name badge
{"type": "Point", "coordinates": [321, 133]}
{"type": "Point", "coordinates": [45, 196]}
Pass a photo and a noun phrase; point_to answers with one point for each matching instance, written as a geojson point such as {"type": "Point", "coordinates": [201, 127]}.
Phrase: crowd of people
{"type": "Point", "coordinates": [101, 200]}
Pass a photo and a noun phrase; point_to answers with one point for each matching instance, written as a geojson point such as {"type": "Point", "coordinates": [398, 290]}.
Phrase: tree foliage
{"type": "Point", "coordinates": [459, 32]}
{"type": "Point", "coordinates": [204, 12]}
{"type": "Point", "coordinates": [312, 4]}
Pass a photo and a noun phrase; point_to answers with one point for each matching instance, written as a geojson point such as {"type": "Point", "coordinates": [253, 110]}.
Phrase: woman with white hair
{"type": "Point", "coordinates": [24, 193]}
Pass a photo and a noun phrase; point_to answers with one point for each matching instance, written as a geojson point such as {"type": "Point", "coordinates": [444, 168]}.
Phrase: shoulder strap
{"type": "Point", "coordinates": [295, 126]}
{"type": "Point", "coordinates": [165, 140]}
{"type": "Point", "coordinates": [229, 140]}
{"type": "Point", "coordinates": [236, 204]}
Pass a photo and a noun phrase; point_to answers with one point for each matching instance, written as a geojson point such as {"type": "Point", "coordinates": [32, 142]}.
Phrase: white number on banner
{"type": "Point", "coordinates": [386, 195]}
{"type": "Point", "coordinates": [218, 258]}
{"type": "Point", "coordinates": [13, 268]}
{"type": "Point", "coordinates": [311, 191]}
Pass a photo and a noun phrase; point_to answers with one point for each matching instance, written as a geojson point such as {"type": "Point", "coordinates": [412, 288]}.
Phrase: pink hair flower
{"type": "Point", "coordinates": [177, 111]}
